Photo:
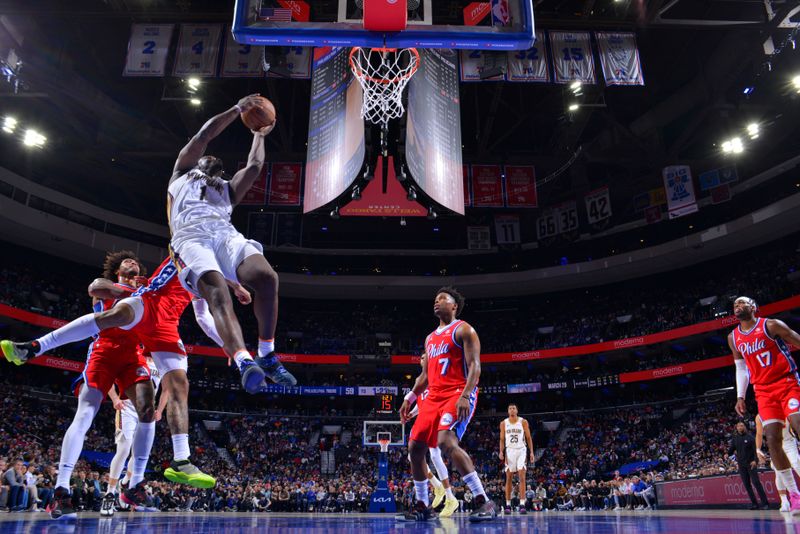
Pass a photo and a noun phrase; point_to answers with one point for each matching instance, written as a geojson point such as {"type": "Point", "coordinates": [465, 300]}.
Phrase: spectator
{"type": "Point", "coordinates": [14, 478]}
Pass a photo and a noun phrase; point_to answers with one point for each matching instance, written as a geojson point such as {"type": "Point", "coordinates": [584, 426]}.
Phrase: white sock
{"type": "Point", "coordinates": [787, 477]}
{"type": "Point", "coordinates": [784, 499]}
{"type": "Point", "coordinates": [89, 400]}
{"type": "Point", "coordinates": [81, 328]}
{"type": "Point", "coordinates": [180, 446]}
{"type": "Point", "coordinates": [421, 491]}
{"type": "Point", "coordinates": [435, 481]}
{"type": "Point", "coordinates": [142, 443]}
{"type": "Point", "coordinates": [265, 346]}
{"type": "Point", "coordinates": [241, 356]}
{"type": "Point", "coordinates": [127, 478]}
{"type": "Point", "coordinates": [474, 484]}
{"type": "Point", "coordinates": [449, 492]}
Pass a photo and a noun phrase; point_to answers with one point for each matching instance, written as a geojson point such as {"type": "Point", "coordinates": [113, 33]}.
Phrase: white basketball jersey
{"type": "Point", "coordinates": [515, 435]}
{"type": "Point", "coordinates": [197, 205]}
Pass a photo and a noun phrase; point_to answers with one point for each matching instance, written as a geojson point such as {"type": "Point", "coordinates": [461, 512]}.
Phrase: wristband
{"type": "Point", "coordinates": [238, 108]}
{"type": "Point", "coordinates": [410, 397]}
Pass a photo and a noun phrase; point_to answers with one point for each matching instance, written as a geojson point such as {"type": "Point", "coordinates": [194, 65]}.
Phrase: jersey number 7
{"type": "Point", "coordinates": [765, 358]}
{"type": "Point", "coordinates": [445, 363]}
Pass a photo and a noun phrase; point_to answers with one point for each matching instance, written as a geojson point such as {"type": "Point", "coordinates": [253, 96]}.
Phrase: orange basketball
{"type": "Point", "coordinates": [260, 115]}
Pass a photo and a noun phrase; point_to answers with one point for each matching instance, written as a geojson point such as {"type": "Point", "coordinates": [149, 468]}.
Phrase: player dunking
{"type": "Point", "coordinates": [152, 313]}
{"type": "Point", "coordinates": [209, 250]}
{"type": "Point", "coordinates": [451, 373]}
{"type": "Point", "coordinates": [790, 448]}
{"type": "Point", "coordinates": [442, 491]}
{"type": "Point", "coordinates": [514, 434]}
{"type": "Point", "coordinates": [759, 346]}
{"type": "Point", "coordinates": [114, 357]}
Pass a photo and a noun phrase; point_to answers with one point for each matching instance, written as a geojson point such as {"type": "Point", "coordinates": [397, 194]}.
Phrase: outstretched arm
{"type": "Point", "coordinates": [244, 179]}
{"type": "Point", "coordinates": [196, 147]}
{"type": "Point", "coordinates": [102, 289]}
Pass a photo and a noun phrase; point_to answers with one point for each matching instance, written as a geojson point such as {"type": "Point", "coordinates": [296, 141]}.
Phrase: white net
{"type": "Point", "coordinates": [383, 74]}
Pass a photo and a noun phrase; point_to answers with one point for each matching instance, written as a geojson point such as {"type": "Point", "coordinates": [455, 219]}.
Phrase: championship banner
{"type": "Point", "coordinates": [506, 228]}
{"type": "Point", "coordinates": [572, 57]}
{"type": "Point", "coordinates": [653, 214]}
{"type": "Point", "coordinates": [198, 50]}
{"type": "Point", "coordinates": [241, 60]}
{"type": "Point", "coordinates": [680, 191]}
{"type": "Point", "coordinates": [598, 205]}
{"type": "Point", "coordinates": [721, 194]}
{"type": "Point", "coordinates": [257, 194]}
{"type": "Point", "coordinates": [619, 58]}
{"type": "Point", "coordinates": [147, 49]}
{"type": "Point", "coordinates": [567, 215]}
{"type": "Point", "coordinates": [521, 186]}
{"type": "Point", "coordinates": [284, 184]}
{"type": "Point", "coordinates": [487, 186]}
{"type": "Point", "coordinates": [529, 65]}
{"type": "Point", "coordinates": [467, 197]}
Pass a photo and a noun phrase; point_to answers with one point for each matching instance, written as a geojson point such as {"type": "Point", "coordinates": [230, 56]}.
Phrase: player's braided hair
{"type": "Point", "coordinates": [114, 260]}
{"type": "Point", "coordinates": [458, 297]}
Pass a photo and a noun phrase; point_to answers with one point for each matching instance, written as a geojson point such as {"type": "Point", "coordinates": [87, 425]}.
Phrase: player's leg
{"type": "Point", "coordinates": [214, 290]}
{"type": "Point", "coordinates": [89, 400]}
{"type": "Point", "coordinates": [423, 436]}
{"type": "Point", "coordinates": [521, 473]}
{"type": "Point", "coordinates": [509, 484]}
{"type": "Point", "coordinates": [79, 329]}
{"type": "Point", "coordinates": [438, 488]}
{"type": "Point", "coordinates": [175, 383]}
{"type": "Point", "coordinates": [773, 432]}
{"type": "Point", "coordinates": [123, 439]}
{"type": "Point", "coordinates": [143, 396]}
{"type": "Point", "coordinates": [448, 443]}
{"type": "Point", "coordinates": [255, 272]}
{"type": "Point", "coordinates": [450, 502]}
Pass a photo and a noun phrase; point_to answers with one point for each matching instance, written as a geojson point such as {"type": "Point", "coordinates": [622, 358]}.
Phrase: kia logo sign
{"type": "Point", "coordinates": [382, 499]}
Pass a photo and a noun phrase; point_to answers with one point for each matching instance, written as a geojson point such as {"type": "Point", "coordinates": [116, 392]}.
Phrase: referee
{"type": "Point", "coordinates": [743, 444]}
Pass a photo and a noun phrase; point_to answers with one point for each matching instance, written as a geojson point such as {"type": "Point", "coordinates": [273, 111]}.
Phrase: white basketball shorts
{"type": "Point", "coordinates": [516, 459]}
{"type": "Point", "coordinates": [222, 250]}
{"type": "Point", "coordinates": [128, 419]}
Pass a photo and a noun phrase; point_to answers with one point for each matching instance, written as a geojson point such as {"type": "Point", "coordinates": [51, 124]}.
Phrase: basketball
{"type": "Point", "coordinates": [260, 116]}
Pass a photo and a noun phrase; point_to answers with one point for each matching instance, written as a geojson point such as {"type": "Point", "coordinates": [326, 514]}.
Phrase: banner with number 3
{"type": "Point", "coordinates": [148, 49]}
{"type": "Point", "coordinates": [572, 57]}
{"type": "Point", "coordinates": [241, 60]}
{"type": "Point", "coordinates": [198, 50]}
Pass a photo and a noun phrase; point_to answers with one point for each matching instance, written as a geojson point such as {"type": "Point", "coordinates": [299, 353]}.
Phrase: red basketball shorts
{"type": "Point", "coordinates": [107, 367]}
{"type": "Point", "coordinates": [438, 413]}
{"type": "Point", "coordinates": [156, 333]}
{"type": "Point", "coordinates": [778, 400]}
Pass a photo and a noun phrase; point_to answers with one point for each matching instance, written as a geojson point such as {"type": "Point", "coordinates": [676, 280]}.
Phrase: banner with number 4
{"type": "Point", "coordinates": [598, 205]}
{"type": "Point", "coordinates": [198, 50]}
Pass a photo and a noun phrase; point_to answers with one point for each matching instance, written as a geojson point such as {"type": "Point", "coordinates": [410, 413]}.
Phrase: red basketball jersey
{"type": "Point", "coordinates": [767, 358]}
{"type": "Point", "coordinates": [447, 368]}
{"type": "Point", "coordinates": [166, 290]}
{"type": "Point", "coordinates": [114, 339]}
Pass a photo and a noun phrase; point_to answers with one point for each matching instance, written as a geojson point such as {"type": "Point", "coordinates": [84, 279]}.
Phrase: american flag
{"type": "Point", "coordinates": [277, 14]}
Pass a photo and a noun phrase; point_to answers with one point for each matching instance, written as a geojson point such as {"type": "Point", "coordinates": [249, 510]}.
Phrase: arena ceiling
{"type": "Point", "coordinates": [112, 140]}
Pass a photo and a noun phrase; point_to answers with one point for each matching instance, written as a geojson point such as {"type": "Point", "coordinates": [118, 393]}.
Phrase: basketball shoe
{"type": "Point", "coordinates": [18, 353]}
{"type": "Point", "coordinates": [438, 496]}
{"type": "Point", "coordinates": [252, 376]}
{"type": "Point", "coordinates": [185, 472]}
{"type": "Point", "coordinates": [794, 503]}
{"type": "Point", "coordinates": [107, 507]}
{"type": "Point", "coordinates": [484, 510]}
{"type": "Point", "coordinates": [418, 512]}
{"type": "Point", "coordinates": [450, 507]}
{"type": "Point", "coordinates": [275, 370]}
{"type": "Point", "coordinates": [61, 507]}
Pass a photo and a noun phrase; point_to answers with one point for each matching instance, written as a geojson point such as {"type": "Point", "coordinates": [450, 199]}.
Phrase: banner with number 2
{"type": "Point", "coordinates": [148, 49]}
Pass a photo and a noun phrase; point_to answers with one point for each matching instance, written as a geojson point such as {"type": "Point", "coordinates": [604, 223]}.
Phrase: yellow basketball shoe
{"type": "Point", "coordinates": [438, 496]}
{"type": "Point", "coordinates": [185, 472]}
{"type": "Point", "coordinates": [450, 506]}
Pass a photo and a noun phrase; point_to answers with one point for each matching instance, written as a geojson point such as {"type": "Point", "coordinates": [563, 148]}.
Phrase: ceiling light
{"type": "Point", "coordinates": [33, 138]}
{"type": "Point", "coordinates": [573, 107]}
{"type": "Point", "coordinates": [193, 83]}
{"type": "Point", "coordinates": [753, 130]}
{"type": "Point", "coordinates": [796, 82]}
{"type": "Point", "coordinates": [733, 146]}
{"type": "Point", "coordinates": [195, 101]}
{"type": "Point", "coordinates": [575, 86]}
{"type": "Point", "coordinates": [9, 124]}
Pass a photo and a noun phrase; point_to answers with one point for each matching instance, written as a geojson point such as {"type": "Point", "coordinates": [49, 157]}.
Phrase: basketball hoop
{"type": "Point", "coordinates": [383, 74]}
{"type": "Point", "coordinates": [384, 443]}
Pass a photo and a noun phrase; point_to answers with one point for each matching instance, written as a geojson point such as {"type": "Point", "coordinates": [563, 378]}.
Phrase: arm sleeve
{"type": "Point", "coordinates": [206, 321]}
{"type": "Point", "coordinates": [742, 378]}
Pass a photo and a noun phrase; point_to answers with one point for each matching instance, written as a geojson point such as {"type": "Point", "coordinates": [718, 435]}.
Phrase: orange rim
{"type": "Point", "coordinates": [359, 72]}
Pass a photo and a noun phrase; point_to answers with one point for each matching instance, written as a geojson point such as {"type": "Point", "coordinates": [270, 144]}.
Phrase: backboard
{"type": "Point", "coordinates": [375, 430]}
{"type": "Point", "coordinates": [494, 24]}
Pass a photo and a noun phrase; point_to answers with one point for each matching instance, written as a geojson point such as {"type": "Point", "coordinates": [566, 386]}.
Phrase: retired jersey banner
{"type": "Point", "coordinates": [521, 186]}
{"type": "Point", "coordinates": [679, 188]}
{"type": "Point", "coordinates": [619, 58]}
{"type": "Point", "coordinates": [284, 184]}
{"type": "Point", "coordinates": [241, 60]}
{"type": "Point", "coordinates": [572, 57]}
{"type": "Point", "coordinates": [567, 216]}
{"type": "Point", "coordinates": [198, 50]}
{"type": "Point", "coordinates": [257, 194]}
{"type": "Point", "coordinates": [147, 49]}
{"type": "Point", "coordinates": [290, 62]}
{"type": "Point", "coordinates": [473, 63]}
{"type": "Point", "coordinates": [598, 205]}
{"type": "Point", "coordinates": [506, 228]}
{"type": "Point", "coordinates": [529, 65]}
{"type": "Point", "coordinates": [547, 224]}
{"type": "Point", "coordinates": [487, 186]}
